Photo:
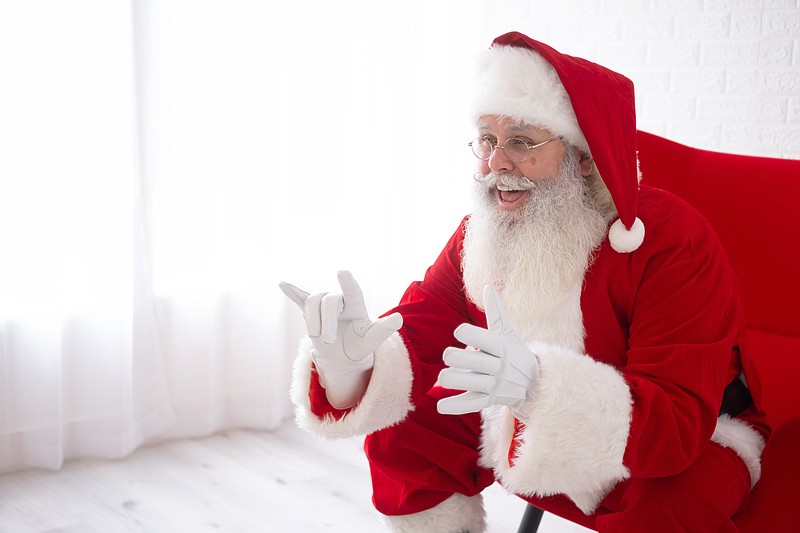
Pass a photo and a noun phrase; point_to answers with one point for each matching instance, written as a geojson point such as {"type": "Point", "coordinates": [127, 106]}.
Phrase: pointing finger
{"type": "Point", "coordinates": [347, 282]}
{"type": "Point", "coordinates": [354, 306]}
{"type": "Point", "coordinates": [482, 339]}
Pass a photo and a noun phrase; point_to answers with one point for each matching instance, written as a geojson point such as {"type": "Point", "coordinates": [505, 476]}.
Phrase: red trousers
{"type": "Point", "coordinates": [422, 461]}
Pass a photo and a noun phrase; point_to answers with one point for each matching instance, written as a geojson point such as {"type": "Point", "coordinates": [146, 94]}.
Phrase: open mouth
{"type": "Point", "coordinates": [509, 196]}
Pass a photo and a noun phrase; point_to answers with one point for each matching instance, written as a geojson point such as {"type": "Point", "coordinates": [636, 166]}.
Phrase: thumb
{"type": "Point", "coordinates": [383, 328]}
{"type": "Point", "coordinates": [496, 319]}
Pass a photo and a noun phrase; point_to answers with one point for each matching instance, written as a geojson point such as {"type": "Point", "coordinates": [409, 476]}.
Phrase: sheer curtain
{"type": "Point", "coordinates": [163, 164]}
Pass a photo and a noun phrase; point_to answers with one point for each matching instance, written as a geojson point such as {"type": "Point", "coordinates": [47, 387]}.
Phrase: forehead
{"type": "Point", "coordinates": [508, 126]}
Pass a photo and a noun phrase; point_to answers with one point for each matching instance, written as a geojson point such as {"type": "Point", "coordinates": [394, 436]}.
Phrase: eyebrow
{"type": "Point", "coordinates": [520, 127]}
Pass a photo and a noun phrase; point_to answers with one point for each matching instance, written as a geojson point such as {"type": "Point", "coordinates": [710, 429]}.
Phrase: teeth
{"type": "Point", "coordinates": [506, 188]}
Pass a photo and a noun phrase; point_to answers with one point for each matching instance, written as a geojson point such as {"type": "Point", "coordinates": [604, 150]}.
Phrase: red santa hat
{"type": "Point", "coordinates": [590, 106]}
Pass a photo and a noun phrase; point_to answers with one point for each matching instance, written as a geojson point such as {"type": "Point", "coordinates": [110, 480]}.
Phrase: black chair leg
{"type": "Point", "coordinates": [530, 520]}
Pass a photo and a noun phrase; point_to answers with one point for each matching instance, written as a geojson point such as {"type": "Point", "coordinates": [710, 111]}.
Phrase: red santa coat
{"type": "Point", "coordinates": [664, 336]}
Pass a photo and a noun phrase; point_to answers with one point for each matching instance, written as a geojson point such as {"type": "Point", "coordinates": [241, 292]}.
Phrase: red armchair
{"type": "Point", "coordinates": [753, 203]}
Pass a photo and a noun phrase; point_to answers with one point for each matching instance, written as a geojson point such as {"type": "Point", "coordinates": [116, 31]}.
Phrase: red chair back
{"type": "Point", "coordinates": [753, 203]}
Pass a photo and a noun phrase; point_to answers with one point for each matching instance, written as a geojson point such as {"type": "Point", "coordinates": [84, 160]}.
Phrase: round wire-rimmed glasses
{"type": "Point", "coordinates": [515, 148]}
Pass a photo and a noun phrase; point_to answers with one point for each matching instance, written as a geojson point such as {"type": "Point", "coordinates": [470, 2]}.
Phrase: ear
{"type": "Point", "coordinates": [585, 164]}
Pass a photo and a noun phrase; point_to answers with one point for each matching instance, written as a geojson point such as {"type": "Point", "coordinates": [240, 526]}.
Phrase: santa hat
{"type": "Point", "coordinates": [590, 106]}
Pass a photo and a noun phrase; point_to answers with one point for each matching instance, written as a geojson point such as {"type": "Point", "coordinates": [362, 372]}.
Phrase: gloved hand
{"type": "Point", "coordinates": [343, 336]}
{"type": "Point", "coordinates": [501, 371]}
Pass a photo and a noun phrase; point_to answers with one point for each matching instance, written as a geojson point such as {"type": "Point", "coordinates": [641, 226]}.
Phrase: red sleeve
{"type": "Point", "coordinates": [684, 328]}
{"type": "Point", "coordinates": [318, 400]}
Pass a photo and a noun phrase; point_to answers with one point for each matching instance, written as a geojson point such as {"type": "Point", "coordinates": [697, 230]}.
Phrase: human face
{"type": "Point", "coordinates": [539, 252]}
{"type": "Point", "coordinates": [542, 163]}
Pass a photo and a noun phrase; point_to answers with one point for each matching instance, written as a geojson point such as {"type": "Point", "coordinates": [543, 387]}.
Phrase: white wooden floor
{"type": "Point", "coordinates": [240, 481]}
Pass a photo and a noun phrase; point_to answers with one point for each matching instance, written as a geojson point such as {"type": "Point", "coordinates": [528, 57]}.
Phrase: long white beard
{"type": "Point", "coordinates": [536, 258]}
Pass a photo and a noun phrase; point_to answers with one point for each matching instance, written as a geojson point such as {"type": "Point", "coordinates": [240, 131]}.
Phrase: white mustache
{"type": "Point", "coordinates": [491, 179]}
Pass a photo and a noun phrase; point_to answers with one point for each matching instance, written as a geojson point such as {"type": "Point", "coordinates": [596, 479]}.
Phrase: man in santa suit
{"type": "Point", "coordinates": [597, 370]}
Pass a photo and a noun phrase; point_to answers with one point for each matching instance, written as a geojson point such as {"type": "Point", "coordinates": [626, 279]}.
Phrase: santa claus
{"type": "Point", "coordinates": [597, 370]}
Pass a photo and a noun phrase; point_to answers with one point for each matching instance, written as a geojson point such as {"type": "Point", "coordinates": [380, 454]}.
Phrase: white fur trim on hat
{"type": "Point", "coordinates": [624, 240]}
{"type": "Point", "coordinates": [517, 82]}
{"type": "Point", "coordinates": [386, 401]}
{"type": "Point", "coordinates": [457, 513]}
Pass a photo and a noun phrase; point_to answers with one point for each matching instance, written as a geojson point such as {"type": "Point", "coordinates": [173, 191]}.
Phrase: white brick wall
{"type": "Point", "coordinates": [717, 74]}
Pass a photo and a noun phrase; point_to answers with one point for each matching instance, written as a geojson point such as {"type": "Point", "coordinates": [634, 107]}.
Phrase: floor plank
{"type": "Point", "coordinates": [239, 481]}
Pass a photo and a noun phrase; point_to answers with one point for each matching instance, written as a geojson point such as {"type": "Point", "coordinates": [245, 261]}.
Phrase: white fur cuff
{"type": "Point", "coordinates": [456, 514]}
{"type": "Point", "coordinates": [576, 436]}
{"type": "Point", "coordinates": [744, 440]}
{"type": "Point", "coordinates": [386, 401]}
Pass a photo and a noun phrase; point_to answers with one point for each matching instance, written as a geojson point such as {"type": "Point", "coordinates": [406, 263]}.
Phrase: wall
{"type": "Point", "coordinates": [716, 74]}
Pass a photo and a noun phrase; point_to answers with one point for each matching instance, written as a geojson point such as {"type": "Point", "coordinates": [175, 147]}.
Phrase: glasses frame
{"type": "Point", "coordinates": [529, 145]}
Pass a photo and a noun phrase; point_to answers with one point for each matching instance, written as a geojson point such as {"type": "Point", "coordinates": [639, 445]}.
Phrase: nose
{"type": "Point", "coordinates": [499, 160]}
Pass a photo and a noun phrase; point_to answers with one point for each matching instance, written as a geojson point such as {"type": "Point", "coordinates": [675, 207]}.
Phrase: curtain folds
{"type": "Point", "coordinates": [164, 164]}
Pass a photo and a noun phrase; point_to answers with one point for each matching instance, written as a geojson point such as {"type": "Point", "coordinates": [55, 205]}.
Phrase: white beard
{"type": "Point", "coordinates": [536, 258]}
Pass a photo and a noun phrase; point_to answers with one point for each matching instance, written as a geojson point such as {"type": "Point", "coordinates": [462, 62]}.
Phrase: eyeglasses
{"type": "Point", "coordinates": [515, 148]}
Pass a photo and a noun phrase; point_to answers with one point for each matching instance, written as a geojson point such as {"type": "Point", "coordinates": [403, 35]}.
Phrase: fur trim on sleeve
{"type": "Point", "coordinates": [386, 401]}
{"type": "Point", "coordinates": [576, 436]}
{"type": "Point", "coordinates": [458, 513]}
{"type": "Point", "coordinates": [744, 440]}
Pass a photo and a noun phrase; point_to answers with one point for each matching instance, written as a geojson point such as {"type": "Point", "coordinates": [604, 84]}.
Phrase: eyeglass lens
{"type": "Point", "coordinates": [516, 149]}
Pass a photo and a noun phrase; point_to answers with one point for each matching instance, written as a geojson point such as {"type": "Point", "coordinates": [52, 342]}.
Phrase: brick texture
{"type": "Point", "coordinates": [717, 74]}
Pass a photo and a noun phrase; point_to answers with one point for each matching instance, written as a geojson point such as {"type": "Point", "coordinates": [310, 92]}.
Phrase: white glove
{"type": "Point", "coordinates": [500, 371]}
{"type": "Point", "coordinates": [343, 336]}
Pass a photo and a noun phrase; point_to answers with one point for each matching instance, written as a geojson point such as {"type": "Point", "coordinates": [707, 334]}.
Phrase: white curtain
{"type": "Point", "coordinates": [165, 163]}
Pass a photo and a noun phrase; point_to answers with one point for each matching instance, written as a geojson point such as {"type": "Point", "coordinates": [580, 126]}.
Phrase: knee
{"type": "Point", "coordinates": [675, 504]}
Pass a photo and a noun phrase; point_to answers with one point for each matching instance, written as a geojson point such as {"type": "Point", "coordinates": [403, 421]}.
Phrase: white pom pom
{"type": "Point", "coordinates": [625, 240]}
